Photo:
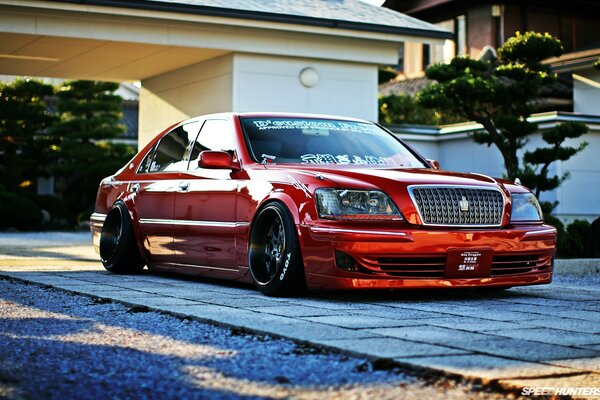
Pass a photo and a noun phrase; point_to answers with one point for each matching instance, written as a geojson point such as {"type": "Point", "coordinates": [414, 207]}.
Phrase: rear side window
{"type": "Point", "coordinates": [172, 150]}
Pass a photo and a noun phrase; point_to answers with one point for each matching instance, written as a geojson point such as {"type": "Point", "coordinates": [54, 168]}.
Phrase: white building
{"type": "Point", "coordinates": [202, 56]}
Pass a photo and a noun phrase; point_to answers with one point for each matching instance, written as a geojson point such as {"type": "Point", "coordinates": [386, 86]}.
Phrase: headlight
{"type": "Point", "coordinates": [525, 207]}
{"type": "Point", "coordinates": [355, 205]}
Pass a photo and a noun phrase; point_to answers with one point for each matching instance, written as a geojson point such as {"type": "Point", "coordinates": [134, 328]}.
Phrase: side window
{"type": "Point", "coordinates": [145, 164]}
{"type": "Point", "coordinates": [170, 155]}
{"type": "Point", "coordinates": [216, 134]}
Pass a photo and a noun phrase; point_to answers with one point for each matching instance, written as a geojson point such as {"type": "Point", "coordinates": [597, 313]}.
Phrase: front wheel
{"type": "Point", "coordinates": [118, 248]}
{"type": "Point", "coordinates": [274, 253]}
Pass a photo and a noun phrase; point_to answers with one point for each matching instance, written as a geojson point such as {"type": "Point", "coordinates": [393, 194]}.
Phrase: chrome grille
{"type": "Point", "coordinates": [441, 205]}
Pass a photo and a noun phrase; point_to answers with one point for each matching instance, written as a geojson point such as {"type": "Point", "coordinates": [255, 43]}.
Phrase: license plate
{"type": "Point", "coordinates": [468, 263]}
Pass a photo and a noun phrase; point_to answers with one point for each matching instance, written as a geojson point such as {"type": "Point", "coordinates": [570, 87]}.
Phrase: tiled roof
{"type": "Point", "coordinates": [346, 14]}
{"type": "Point", "coordinates": [406, 87]}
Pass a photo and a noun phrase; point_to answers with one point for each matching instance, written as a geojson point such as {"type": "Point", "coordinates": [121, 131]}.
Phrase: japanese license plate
{"type": "Point", "coordinates": [468, 263]}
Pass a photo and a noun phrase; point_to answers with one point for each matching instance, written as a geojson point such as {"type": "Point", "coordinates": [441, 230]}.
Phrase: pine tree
{"type": "Point", "coordinates": [25, 149]}
{"type": "Point", "coordinates": [90, 114]}
{"type": "Point", "coordinates": [500, 95]}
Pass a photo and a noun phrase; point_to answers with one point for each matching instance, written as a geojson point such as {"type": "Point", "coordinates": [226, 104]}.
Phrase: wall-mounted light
{"type": "Point", "coordinates": [309, 77]}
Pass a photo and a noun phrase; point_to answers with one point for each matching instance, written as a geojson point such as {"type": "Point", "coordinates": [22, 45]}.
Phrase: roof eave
{"type": "Point", "coordinates": [265, 17]}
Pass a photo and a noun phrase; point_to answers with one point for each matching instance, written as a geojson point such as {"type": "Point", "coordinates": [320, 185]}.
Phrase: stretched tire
{"type": "Point", "coordinates": [274, 253]}
{"type": "Point", "coordinates": [118, 248]}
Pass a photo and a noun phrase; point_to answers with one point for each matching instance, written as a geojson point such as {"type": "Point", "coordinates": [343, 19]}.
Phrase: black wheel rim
{"type": "Point", "coordinates": [274, 248]}
{"type": "Point", "coordinates": [112, 232]}
{"type": "Point", "coordinates": [268, 247]}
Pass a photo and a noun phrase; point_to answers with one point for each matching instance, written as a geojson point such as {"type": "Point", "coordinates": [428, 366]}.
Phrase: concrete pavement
{"type": "Point", "coordinates": [524, 337]}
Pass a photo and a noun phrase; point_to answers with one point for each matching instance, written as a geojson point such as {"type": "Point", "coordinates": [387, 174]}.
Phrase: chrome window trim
{"type": "Point", "coordinates": [412, 197]}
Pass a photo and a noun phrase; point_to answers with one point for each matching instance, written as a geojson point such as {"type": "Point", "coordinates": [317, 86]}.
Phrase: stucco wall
{"type": "Point", "coordinates": [586, 91]}
{"type": "Point", "coordinates": [202, 88]}
{"type": "Point", "coordinates": [265, 83]}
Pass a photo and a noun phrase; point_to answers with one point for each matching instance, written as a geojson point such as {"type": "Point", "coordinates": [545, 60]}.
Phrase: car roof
{"type": "Point", "coordinates": [264, 114]}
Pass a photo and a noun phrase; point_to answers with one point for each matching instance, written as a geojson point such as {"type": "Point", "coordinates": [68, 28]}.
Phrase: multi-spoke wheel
{"type": "Point", "coordinates": [118, 248]}
{"type": "Point", "coordinates": [274, 253]}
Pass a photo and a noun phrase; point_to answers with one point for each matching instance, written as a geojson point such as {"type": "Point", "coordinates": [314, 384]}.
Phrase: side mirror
{"type": "Point", "coordinates": [434, 163]}
{"type": "Point", "coordinates": [217, 160]}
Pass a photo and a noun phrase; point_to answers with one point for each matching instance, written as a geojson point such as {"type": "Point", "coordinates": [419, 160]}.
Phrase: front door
{"type": "Point", "coordinates": [154, 190]}
{"type": "Point", "coordinates": [205, 207]}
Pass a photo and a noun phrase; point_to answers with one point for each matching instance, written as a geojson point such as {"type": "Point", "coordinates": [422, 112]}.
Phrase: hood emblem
{"type": "Point", "coordinates": [463, 204]}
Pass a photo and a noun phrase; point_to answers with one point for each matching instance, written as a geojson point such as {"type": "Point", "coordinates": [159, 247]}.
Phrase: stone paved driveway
{"type": "Point", "coordinates": [530, 336]}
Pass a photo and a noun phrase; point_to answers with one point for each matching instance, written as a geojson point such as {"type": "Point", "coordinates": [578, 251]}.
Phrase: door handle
{"type": "Point", "coordinates": [135, 187]}
{"type": "Point", "coordinates": [184, 186]}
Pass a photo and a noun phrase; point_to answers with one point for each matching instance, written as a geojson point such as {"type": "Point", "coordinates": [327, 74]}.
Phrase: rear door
{"type": "Point", "coordinates": [205, 212]}
{"type": "Point", "coordinates": [155, 188]}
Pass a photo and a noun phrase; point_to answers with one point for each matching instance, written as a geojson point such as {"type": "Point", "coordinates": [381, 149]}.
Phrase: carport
{"type": "Point", "coordinates": [195, 56]}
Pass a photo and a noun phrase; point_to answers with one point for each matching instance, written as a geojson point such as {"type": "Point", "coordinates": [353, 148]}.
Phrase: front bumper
{"type": "Point", "coordinates": [416, 258]}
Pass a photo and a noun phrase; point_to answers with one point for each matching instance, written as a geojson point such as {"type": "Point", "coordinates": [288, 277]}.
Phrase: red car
{"type": "Point", "coordinates": [292, 201]}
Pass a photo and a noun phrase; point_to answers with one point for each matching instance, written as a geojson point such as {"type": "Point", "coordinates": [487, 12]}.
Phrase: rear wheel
{"type": "Point", "coordinates": [118, 248]}
{"type": "Point", "coordinates": [274, 253]}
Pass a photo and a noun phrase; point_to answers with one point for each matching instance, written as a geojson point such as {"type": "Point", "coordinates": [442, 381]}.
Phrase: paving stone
{"type": "Point", "coordinates": [565, 324]}
{"type": "Point", "coordinates": [473, 324]}
{"type": "Point", "coordinates": [355, 321]}
{"type": "Point", "coordinates": [50, 280]}
{"type": "Point", "coordinates": [387, 347]}
{"type": "Point", "coordinates": [397, 313]}
{"type": "Point", "coordinates": [471, 311]}
{"type": "Point", "coordinates": [526, 350]}
{"type": "Point", "coordinates": [139, 285]}
{"type": "Point", "coordinates": [483, 366]}
{"type": "Point", "coordinates": [229, 316]}
{"type": "Point", "coordinates": [312, 331]}
{"type": "Point", "coordinates": [432, 334]}
{"type": "Point", "coordinates": [552, 336]}
{"type": "Point", "coordinates": [155, 301]}
{"type": "Point", "coordinates": [569, 295]}
{"type": "Point", "coordinates": [332, 305]}
{"type": "Point", "coordinates": [294, 310]}
{"type": "Point", "coordinates": [591, 364]}
{"type": "Point", "coordinates": [122, 293]}
{"type": "Point", "coordinates": [250, 301]}
{"type": "Point", "coordinates": [498, 315]}
{"type": "Point", "coordinates": [569, 312]}
{"type": "Point", "coordinates": [541, 301]}
{"type": "Point", "coordinates": [174, 291]}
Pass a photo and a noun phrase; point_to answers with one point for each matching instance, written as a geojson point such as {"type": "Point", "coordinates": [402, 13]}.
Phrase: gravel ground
{"type": "Point", "coordinates": [58, 345]}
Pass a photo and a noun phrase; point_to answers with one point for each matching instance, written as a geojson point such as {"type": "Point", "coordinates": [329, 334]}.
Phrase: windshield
{"type": "Point", "coordinates": [325, 141]}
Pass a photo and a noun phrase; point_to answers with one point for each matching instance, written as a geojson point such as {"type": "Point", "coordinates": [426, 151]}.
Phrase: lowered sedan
{"type": "Point", "coordinates": [291, 201]}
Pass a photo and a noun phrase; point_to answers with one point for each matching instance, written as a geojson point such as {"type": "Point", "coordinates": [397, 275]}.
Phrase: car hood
{"type": "Point", "coordinates": [394, 182]}
{"type": "Point", "coordinates": [363, 177]}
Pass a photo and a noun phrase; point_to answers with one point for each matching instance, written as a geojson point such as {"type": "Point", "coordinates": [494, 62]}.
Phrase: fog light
{"type": "Point", "coordinates": [344, 261]}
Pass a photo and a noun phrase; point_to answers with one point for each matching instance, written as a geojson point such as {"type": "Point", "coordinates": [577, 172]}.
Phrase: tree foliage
{"type": "Point", "coordinates": [90, 114]}
{"type": "Point", "coordinates": [25, 149]}
{"type": "Point", "coordinates": [404, 109]}
{"type": "Point", "coordinates": [500, 95]}
{"type": "Point", "coordinates": [535, 174]}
